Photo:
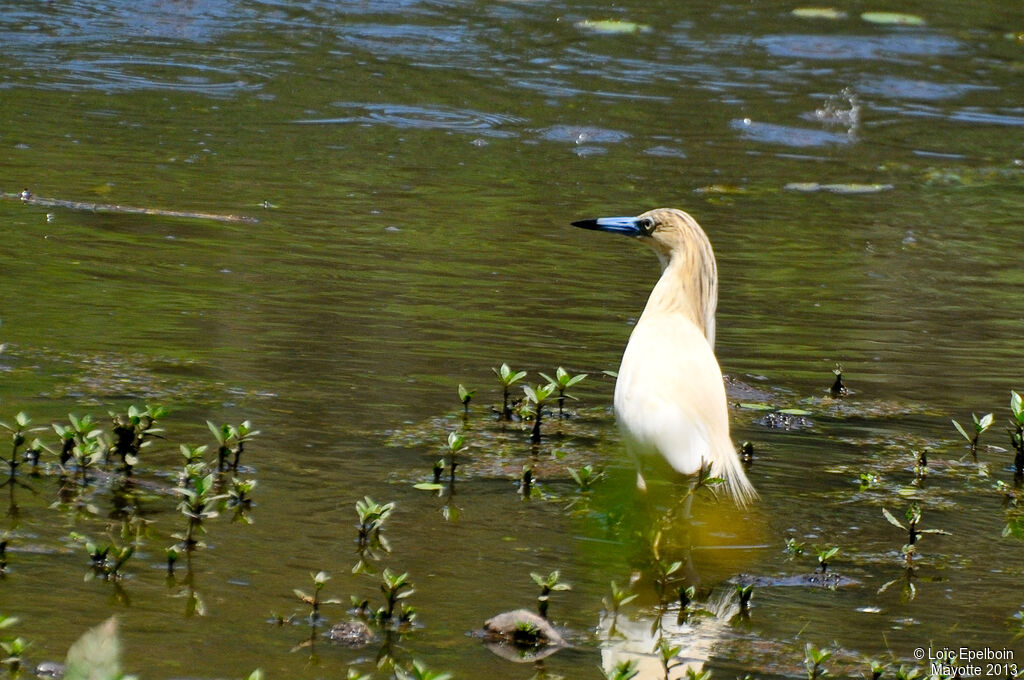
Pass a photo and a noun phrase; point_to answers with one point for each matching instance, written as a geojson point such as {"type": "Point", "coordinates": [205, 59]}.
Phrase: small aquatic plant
{"type": "Point", "coordinates": [913, 517]}
{"type": "Point", "coordinates": [198, 496]}
{"type": "Point", "coordinates": [980, 425]}
{"type": "Point", "coordinates": [13, 647]}
{"type": "Point", "coordinates": [617, 598]}
{"type": "Point", "coordinates": [585, 477]}
{"type": "Point", "coordinates": [536, 399]}
{"type": "Point", "coordinates": [372, 518]}
{"type": "Point", "coordinates": [794, 548]}
{"type": "Point", "coordinates": [315, 601]}
{"type": "Point", "coordinates": [231, 441]}
{"type": "Point", "coordinates": [747, 453]}
{"type": "Point", "coordinates": [456, 442]}
{"type": "Point", "coordinates": [562, 381]}
{"type": "Point", "coordinates": [17, 430]}
{"type": "Point", "coordinates": [507, 377]}
{"type": "Point", "coordinates": [667, 654]}
{"type": "Point", "coordinates": [1017, 434]}
{"type": "Point", "coordinates": [132, 432]}
{"type": "Point", "coordinates": [623, 670]}
{"type": "Point", "coordinates": [875, 668]}
{"type": "Point", "coordinates": [417, 670]}
{"type": "Point", "coordinates": [526, 481]}
{"type": "Point", "coordinates": [813, 660]}
{"type": "Point", "coordinates": [868, 480]}
{"type": "Point", "coordinates": [465, 396]}
{"type": "Point", "coordinates": [395, 587]}
{"type": "Point", "coordinates": [549, 584]}
{"type": "Point", "coordinates": [825, 555]}
{"type": "Point", "coordinates": [838, 388]}
{"type": "Point", "coordinates": [745, 593]}
{"type": "Point", "coordinates": [106, 559]}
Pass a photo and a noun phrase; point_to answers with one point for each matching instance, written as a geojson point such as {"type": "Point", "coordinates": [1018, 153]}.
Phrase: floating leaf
{"type": "Point", "coordinates": [757, 407]}
{"type": "Point", "coordinates": [892, 520]}
{"type": "Point", "coordinates": [818, 13]}
{"type": "Point", "coordinates": [795, 412]}
{"type": "Point", "coordinates": [612, 27]}
{"type": "Point", "coordinates": [843, 188]}
{"type": "Point", "coordinates": [96, 655]}
{"type": "Point", "coordinates": [893, 18]}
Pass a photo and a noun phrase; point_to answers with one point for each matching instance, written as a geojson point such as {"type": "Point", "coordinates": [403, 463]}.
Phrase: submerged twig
{"type": "Point", "coordinates": [27, 197]}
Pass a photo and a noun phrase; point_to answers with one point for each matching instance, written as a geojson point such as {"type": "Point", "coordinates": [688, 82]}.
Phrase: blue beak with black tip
{"type": "Point", "coordinates": [627, 226]}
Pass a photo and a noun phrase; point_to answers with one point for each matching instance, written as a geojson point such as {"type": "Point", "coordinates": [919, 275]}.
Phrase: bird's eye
{"type": "Point", "coordinates": [646, 225]}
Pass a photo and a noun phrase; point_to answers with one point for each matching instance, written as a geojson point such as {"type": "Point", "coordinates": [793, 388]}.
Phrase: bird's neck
{"type": "Point", "coordinates": [688, 288]}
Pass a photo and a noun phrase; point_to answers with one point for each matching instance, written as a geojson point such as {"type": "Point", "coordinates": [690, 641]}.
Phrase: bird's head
{"type": "Point", "coordinates": [667, 231]}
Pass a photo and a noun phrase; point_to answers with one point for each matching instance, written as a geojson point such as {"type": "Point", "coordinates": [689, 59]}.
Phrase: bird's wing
{"type": "Point", "coordinates": [670, 397]}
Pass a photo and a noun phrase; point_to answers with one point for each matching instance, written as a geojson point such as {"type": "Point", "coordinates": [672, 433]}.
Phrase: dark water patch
{"type": "Point", "coordinates": [424, 118]}
{"type": "Point", "coordinates": [423, 45]}
{"type": "Point", "coordinates": [582, 135]}
{"type": "Point", "coordinates": [897, 46]}
{"type": "Point", "coordinates": [788, 135]}
{"type": "Point", "coordinates": [894, 87]}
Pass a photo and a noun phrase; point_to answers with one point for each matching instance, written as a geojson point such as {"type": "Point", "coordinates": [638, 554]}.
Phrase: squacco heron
{"type": "Point", "coordinates": [670, 395]}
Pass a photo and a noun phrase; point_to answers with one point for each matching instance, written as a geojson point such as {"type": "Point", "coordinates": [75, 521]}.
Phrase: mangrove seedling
{"type": "Point", "coordinates": [921, 466]}
{"type": "Point", "coordinates": [825, 556]}
{"type": "Point", "coordinates": [526, 481]}
{"type": "Point", "coordinates": [314, 601]}
{"type": "Point", "coordinates": [353, 674]}
{"type": "Point", "coordinates": [913, 517]}
{"type": "Point", "coordinates": [132, 432]}
{"type": "Point", "coordinates": [418, 671]}
{"type": "Point", "coordinates": [667, 654]}
{"type": "Point", "coordinates": [14, 649]}
{"type": "Point", "coordinates": [618, 597]}
{"type": "Point", "coordinates": [908, 673]}
{"type": "Point", "coordinates": [688, 605]}
{"type": "Point", "coordinates": [980, 425]}
{"type": "Point", "coordinates": [173, 554]}
{"type": "Point", "coordinates": [868, 480]}
{"type": "Point", "coordinates": [395, 587]}
{"type": "Point", "coordinates": [663, 568]}
{"type": "Point", "coordinates": [838, 389]}
{"type": "Point", "coordinates": [465, 396]}
{"type": "Point", "coordinates": [563, 381]}
{"type": "Point", "coordinates": [745, 592]}
{"type": "Point", "coordinates": [548, 585]}
{"type": "Point", "coordinates": [623, 670]}
{"type": "Point", "coordinates": [198, 498]}
{"type": "Point", "coordinates": [507, 377]}
{"type": "Point", "coordinates": [17, 430]}
{"type": "Point", "coordinates": [1017, 434]}
{"type": "Point", "coordinates": [78, 430]}
{"type": "Point", "coordinates": [876, 667]}
{"type": "Point", "coordinates": [813, 660]}
{"type": "Point", "coordinates": [372, 517]}
{"type": "Point", "coordinates": [106, 559]}
{"type": "Point", "coordinates": [456, 443]}
{"type": "Point", "coordinates": [702, 674]}
{"type": "Point", "coordinates": [585, 477]}
{"type": "Point", "coordinates": [239, 494]}
{"type": "Point", "coordinates": [536, 398]}
{"type": "Point", "coordinates": [794, 548]}
{"type": "Point", "coordinates": [231, 442]}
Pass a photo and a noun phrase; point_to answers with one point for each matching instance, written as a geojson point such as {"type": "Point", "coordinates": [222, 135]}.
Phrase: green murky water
{"type": "Point", "coordinates": [414, 167]}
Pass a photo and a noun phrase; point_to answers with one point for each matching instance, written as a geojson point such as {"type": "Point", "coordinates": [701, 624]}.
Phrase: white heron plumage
{"type": "Point", "coordinates": [670, 395]}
